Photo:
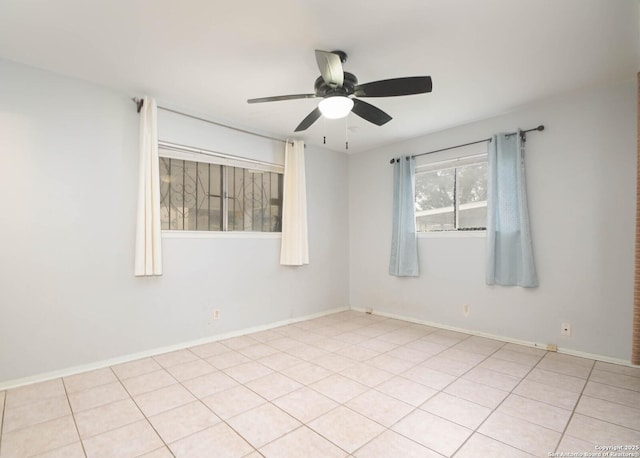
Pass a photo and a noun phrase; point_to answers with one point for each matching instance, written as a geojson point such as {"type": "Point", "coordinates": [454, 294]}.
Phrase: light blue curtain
{"type": "Point", "coordinates": [509, 244]}
{"type": "Point", "coordinates": [404, 242]}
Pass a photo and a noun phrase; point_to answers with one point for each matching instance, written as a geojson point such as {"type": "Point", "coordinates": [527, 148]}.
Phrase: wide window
{"type": "Point", "coordinates": [452, 195]}
{"type": "Point", "coordinates": [210, 196]}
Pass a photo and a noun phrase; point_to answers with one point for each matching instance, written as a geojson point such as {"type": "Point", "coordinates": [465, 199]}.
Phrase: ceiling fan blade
{"type": "Point", "coordinates": [370, 113]}
{"type": "Point", "coordinates": [310, 119]}
{"type": "Point", "coordinates": [282, 97]}
{"type": "Point", "coordinates": [330, 67]}
{"type": "Point", "coordinates": [393, 87]}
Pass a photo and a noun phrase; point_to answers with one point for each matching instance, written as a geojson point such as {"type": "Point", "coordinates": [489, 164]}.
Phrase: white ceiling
{"type": "Point", "coordinates": [207, 57]}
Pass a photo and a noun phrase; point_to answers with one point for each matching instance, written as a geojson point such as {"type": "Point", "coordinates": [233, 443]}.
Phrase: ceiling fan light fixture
{"type": "Point", "coordinates": [335, 107]}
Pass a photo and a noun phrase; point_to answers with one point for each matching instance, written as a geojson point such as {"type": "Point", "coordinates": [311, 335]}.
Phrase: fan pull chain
{"type": "Point", "coordinates": [324, 131]}
{"type": "Point", "coordinates": [346, 133]}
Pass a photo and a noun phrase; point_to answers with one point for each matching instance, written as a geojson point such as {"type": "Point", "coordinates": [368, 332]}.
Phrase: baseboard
{"type": "Point", "coordinates": [157, 351]}
{"type": "Point", "coordinates": [543, 346]}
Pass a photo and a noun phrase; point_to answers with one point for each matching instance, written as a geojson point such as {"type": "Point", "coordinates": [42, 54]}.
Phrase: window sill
{"type": "Point", "coordinates": [219, 235]}
{"type": "Point", "coordinates": [452, 234]}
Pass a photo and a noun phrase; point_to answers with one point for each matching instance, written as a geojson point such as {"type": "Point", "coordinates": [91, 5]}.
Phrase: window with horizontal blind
{"type": "Point", "coordinates": [218, 194]}
{"type": "Point", "coordinates": [452, 195]}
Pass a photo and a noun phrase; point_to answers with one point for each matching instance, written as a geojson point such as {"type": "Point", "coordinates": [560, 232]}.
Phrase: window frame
{"type": "Point", "coordinates": [446, 163]}
{"type": "Point", "coordinates": [186, 153]}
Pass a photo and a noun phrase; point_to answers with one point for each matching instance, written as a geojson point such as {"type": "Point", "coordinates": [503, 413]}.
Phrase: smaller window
{"type": "Point", "coordinates": [452, 195]}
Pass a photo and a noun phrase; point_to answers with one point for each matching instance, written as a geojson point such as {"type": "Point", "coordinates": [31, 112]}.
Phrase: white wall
{"type": "Point", "coordinates": [581, 182]}
{"type": "Point", "coordinates": [68, 297]}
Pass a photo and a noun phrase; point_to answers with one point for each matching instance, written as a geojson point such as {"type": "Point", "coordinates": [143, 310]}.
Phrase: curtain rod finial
{"type": "Point", "coordinates": [540, 127]}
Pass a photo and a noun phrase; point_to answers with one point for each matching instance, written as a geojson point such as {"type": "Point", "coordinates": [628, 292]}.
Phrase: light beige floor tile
{"type": "Point", "coordinates": [279, 361]}
{"type": "Point", "coordinates": [613, 394]}
{"type": "Point", "coordinates": [306, 373]}
{"type": "Point", "coordinates": [600, 432]}
{"type": "Point", "coordinates": [27, 394]}
{"type": "Point", "coordinates": [257, 351]}
{"type": "Point", "coordinates": [175, 357]}
{"type": "Point", "coordinates": [167, 398]}
{"type": "Point", "coordinates": [626, 416]}
{"type": "Point", "coordinates": [187, 371]}
{"type": "Point", "coordinates": [236, 343]}
{"type": "Point", "coordinates": [35, 412]}
{"type": "Point", "coordinates": [520, 434]}
{"type": "Point", "coordinates": [569, 444]}
{"type": "Point", "coordinates": [479, 347]}
{"type": "Point", "coordinates": [302, 442]}
{"type": "Point", "coordinates": [391, 364]}
{"type": "Point", "coordinates": [367, 374]}
{"type": "Point", "coordinates": [107, 417]}
{"type": "Point", "coordinates": [330, 345]}
{"type": "Point", "coordinates": [39, 438]}
{"type": "Point", "coordinates": [380, 407]}
{"type": "Point", "coordinates": [226, 360]}
{"type": "Point", "coordinates": [433, 432]}
{"type": "Point", "coordinates": [483, 446]}
{"type": "Point", "coordinates": [333, 362]}
{"type": "Point", "coordinates": [137, 367]}
{"type": "Point", "coordinates": [564, 367]}
{"type": "Point", "coordinates": [151, 381]}
{"type": "Point", "coordinates": [246, 372]}
{"type": "Point", "coordinates": [406, 390]}
{"type": "Point", "coordinates": [339, 388]}
{"type": "Point", "coordinates": [447, 365]}
{"type": "Point", "coordinates": [378, 345]}
{"type": "Point", "coordinates": [265, 336]}
{"type": "Point", "coordinates": [209, 384]}
{"type": "Point", "coordinates": [305, 404]}
{"type": "Point", "coordinates": [234, 401]}
{"type": "Point", "coordinates": [132, 440]}
{"type": "Point", "coordinates": [429, 377]}
{"type": "Point", "coordinates": [569, 359]}
{"type": "Point", "coordinates": [492, 378]}
{"type": "Point", "coordinates": [98, 396]}
{"type": "Point", "coordinates": [409, 354]}
{"type": "Point", "coordinates": [209, 349]}
{"type": "Point", "coordinates": [463, 356]}
{"type": "Point", "coordinates": [426, 347]}
{"type": "Point", "coordinates": [505, 367]}
{"type": "Point", "coordinates": [619, 380]}
{"type": "Point", "coordinates": [525, 349]}
{"type": "Point", "coordinates": [346, 429]}
{"type": "Point", "coordinates": [163, 452]}
{"type": "Point", "coordinates": [535, 412]}
{"type": "Point", "coordinates": [508, 353]}
{"type": "Point", "coordinates": [263, 424]}
{"type": "Point", "coordinates": [273, 386]}
{"type": "Point", "coordinates": [393, 445]}
{"type": "Point", "coordinates": [284, 343]}
{"type": "Point", "coordinates": [618, 368]}
{"type": "Point", "coordinates": [86, 380]}
{"type": "Point", "coordinates": [457, 410]}
{"type": "Point", "coordinates": [357, 352]}
{"type": "Point", "coordinates": [306, 352]}
{"type": "Point", "coordinates": [74, 450]}
{"type": "Point", "coordinates": [400, 337]}
{"type": "Point", "coordinates": [557, 380]}
{"type": "Point", "coordinates": [477, 392]}
{"type": "Point", "coordinates": [183, 421]}
{"type": "Point", "coordinates": [547, 394]}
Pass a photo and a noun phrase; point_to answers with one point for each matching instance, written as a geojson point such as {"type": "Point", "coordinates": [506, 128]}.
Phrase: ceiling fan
{"type": "Point", "coordinates": [340, 92]}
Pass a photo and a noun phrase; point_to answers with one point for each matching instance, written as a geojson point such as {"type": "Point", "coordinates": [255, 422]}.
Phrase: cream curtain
{"type": "Point", "coordinates": [294, 250]}
{"type": "Point", "coordinates": [148, 257]}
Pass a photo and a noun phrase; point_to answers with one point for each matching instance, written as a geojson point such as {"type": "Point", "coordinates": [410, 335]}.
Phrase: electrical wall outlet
{"type": "Point", "coordinates": [565, 329]}
{"type": "Point", "coordinates": [216, 314]}
{"type": "Point", "coordinates": [465, 309]}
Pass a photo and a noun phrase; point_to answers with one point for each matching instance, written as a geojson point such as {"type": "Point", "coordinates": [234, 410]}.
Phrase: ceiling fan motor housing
{"type": "Point", "coordinates": [322, 89]}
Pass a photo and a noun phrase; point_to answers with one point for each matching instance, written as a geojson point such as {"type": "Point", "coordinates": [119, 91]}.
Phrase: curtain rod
{"type": "Point", "coordinates": [539, 128]}
{"type": "Point", "coordinates": [139, 103]}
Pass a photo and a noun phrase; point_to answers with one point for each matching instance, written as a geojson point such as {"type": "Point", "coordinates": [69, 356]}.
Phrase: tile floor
{"type": "Point", "coordinates": [347, 384]}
